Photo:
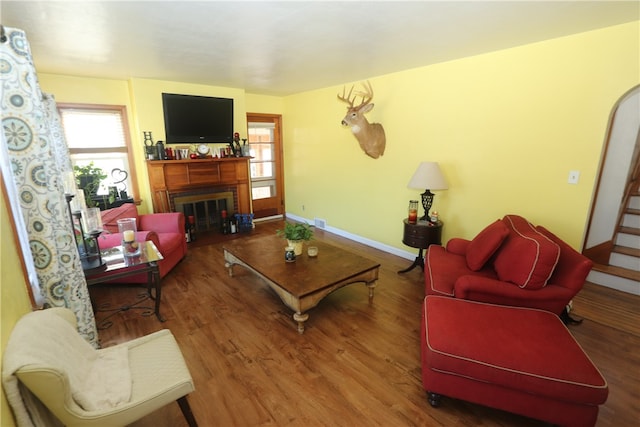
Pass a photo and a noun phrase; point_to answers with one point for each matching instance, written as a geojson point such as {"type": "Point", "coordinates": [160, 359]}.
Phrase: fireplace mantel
{"type": "Point", "coordinates": [168, 178]}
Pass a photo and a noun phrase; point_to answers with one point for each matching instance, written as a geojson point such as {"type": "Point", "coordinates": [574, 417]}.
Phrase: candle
{"type": "Point", "coordinates": [413, 211]}
{"type": "Point", "coordinates": [413, 216]}
{"type": "Point", "coordinates": [128, 236]}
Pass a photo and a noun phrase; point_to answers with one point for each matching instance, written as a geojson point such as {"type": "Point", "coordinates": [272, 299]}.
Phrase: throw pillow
{"type": "Point", "coordinates": [485, 244]}
{"type": "Point", "coordinates": [527, 257]}
{"type": "Point", "coordinates": [110, 217]}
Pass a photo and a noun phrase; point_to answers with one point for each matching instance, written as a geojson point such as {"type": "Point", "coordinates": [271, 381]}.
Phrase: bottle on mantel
{"type": "Point", "coordinates": [160, 153]}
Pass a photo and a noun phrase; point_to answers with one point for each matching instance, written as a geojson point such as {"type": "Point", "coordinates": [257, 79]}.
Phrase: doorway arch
{"type": "Point", "coordinates": [618, 178]}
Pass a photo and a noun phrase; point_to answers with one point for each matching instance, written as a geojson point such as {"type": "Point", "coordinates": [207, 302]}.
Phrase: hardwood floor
{"type": "Point", "coordinates": [356, 364]}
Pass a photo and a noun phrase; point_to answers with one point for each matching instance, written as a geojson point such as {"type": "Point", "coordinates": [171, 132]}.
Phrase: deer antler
{"type": "Point", "coordinates": [366, 96]}
{"type": "Point", "coordinates": [347, 98]}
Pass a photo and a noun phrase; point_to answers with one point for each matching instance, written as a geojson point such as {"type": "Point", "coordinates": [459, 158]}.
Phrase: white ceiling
{"type": "Point", "coordinates": [285, 47]}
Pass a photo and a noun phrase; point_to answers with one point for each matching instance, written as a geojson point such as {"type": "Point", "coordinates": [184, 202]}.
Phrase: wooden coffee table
{"type": "Point", "coordinates": [303, 283]}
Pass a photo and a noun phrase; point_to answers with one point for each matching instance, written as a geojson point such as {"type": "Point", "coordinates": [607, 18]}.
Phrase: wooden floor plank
{"type": "Point", "coordinates": [358, 362]}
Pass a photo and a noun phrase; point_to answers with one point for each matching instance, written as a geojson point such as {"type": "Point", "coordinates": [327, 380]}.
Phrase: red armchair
{"type": "Point", "coordinates": [510, 262]}
{"type": "Point", "coordinates": [165, 230]}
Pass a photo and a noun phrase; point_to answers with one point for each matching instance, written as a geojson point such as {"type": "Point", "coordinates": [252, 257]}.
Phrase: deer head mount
{"type": "Point", "coordinates": [370, 136]}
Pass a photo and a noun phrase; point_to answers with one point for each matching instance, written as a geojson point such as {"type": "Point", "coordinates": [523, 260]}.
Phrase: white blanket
{"type": "Point", "coordinates": [99, 379]}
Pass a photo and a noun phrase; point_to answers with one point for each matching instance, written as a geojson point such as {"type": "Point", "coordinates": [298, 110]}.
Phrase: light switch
{"type": "Point", "coordinates": [574, 176]}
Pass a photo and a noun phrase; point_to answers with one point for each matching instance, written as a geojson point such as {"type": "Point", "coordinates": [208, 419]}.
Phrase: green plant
{"type": "Point", "coordinates": [89, 169]}
{"type": "Point", "coordinates": [88, 179]}
{"type": "Point", "coordinates": [296, 231]}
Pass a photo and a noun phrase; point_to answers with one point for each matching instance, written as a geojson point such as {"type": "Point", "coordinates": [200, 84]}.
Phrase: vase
{"type": "Point", "coordinates": [297, 246]}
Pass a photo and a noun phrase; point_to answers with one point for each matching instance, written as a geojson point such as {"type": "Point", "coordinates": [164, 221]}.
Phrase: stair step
{"type": "Point", "coordinates": [627, 240]}
{"type": "Point", "coordinates": [630, 220]}
{"type": "Point", "coordinates": [614, 282]}
{"type": "Point", "coordinates": [630, 230]}
{"type": "Point", "coordinates": [624, 261]}
{"type": "Point", "coordinates": [626, 250]}
{"type": "Point", "coordinates": [618, 271]}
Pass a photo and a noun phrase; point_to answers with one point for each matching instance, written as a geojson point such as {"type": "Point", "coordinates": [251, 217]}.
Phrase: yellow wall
{"type": "Point", "coordinates": [14, 298]}
{"type": "Point", "coordinates": [506, 128]}
{"type": "Point", "coordinates": [146, 98]}
{"type": "Point", "coordinates": [264, 104]}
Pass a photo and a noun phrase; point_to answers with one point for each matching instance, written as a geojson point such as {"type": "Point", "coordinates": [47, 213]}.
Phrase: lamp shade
{"type": "Point", "coordinates": [428, 176]}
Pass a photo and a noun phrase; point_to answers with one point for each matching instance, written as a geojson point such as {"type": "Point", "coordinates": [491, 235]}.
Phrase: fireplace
{"type": "Point", "coordinates": [206, 208]}
{"type": "Point", "coordinates": [201, 188]}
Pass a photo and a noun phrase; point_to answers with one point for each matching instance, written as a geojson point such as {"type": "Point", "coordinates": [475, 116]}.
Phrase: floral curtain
{"type": "Point", "coordinates": [38, 156]}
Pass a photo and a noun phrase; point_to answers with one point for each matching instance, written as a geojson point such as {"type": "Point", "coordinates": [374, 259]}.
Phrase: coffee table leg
{"type": "Point", "coordinates": [230, 268]}
{"type": "Point", "coordinates": [300, 318]}
{"type": "Point", "coordinates": [230, 260]}
{"type": "Point", "coordinates": [372, 287]}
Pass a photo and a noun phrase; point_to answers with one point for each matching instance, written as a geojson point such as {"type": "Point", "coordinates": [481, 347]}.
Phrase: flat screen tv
{"type": "Point", "coordinates": [193, 119]}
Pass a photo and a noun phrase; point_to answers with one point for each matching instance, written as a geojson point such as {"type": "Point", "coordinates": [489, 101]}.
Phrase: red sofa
{"type": "Point", "coordinates": [165, 230]}
{"type": "Point", "coordinates": [510, 262]}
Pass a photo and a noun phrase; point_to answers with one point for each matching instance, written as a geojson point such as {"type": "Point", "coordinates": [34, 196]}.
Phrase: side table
{"type": "Point", "coordinates": [420, 235]}
{"type": "Point", "coordinates": [118, 266]}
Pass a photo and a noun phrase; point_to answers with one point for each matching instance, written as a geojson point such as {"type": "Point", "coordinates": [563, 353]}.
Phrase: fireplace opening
{"type": "Point", "coordinates": [205, 208]}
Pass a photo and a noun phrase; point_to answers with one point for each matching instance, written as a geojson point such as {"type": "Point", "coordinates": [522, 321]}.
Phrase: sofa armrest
{"type": "Point", "coordinates": [458, 246]}
{"type": "Point", "coordinates": [111, 240]}
{"type": "Point", "coordinates": [552, 298]}
{"type": "Point", "coordinates": [168, 222]}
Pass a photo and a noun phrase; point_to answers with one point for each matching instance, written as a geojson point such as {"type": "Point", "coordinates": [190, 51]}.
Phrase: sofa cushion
{"type": "Point", "coordinates": [443, 268]}
{"type": "Point", "coordinates": [110, 217]}
{"type": "Point", "coordinates": [485, 244]}
{"type": "Point", "coordinates": [526, 258]}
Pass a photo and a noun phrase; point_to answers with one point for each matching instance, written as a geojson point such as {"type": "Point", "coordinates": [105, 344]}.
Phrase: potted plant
{"type": "Point", "coordinates": [296, 233]}
{"type": "Point", "coordinates": [88, 178]}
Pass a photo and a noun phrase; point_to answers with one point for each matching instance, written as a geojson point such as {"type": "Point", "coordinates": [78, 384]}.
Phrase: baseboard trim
{"type": "Point", "coordinates": [268, 218]}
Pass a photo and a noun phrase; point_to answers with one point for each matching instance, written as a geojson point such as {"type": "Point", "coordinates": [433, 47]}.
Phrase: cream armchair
{"type": "Point", "coordinates": [45, 358]}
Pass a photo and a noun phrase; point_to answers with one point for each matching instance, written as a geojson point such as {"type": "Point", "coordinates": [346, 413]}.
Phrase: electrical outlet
{"type": "Point", "coordinates": [320, 223]}
{"type": "Point", "coordinates": [574, 176]}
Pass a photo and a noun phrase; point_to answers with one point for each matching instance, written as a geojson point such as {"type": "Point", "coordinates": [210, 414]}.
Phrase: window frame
{"type": "Point", "coordinates": [124, 118]}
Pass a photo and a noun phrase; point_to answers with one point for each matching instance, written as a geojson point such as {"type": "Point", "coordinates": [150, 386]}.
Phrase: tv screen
{"type": "Point", "coordinates": [193, 119]}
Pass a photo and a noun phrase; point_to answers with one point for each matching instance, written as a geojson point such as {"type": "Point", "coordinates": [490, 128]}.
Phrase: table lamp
{"type": "Point", "coordinates": [427, 176]}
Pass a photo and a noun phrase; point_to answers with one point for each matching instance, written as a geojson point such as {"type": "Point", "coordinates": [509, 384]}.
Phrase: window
{"type": "Point", "coordinates": [100, 134]}
{"type": "Point", "coordinates": [261, 142]}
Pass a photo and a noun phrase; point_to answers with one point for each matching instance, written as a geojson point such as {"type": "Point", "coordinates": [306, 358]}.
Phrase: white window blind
{"type": "Point", "coordinates": [93, 129]}
{"type": "Point", "coordinates": [98, 135]}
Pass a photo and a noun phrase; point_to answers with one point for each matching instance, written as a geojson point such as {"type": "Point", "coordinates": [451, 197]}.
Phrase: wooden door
{"type": "Point", "coordinates": [265, 143]}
